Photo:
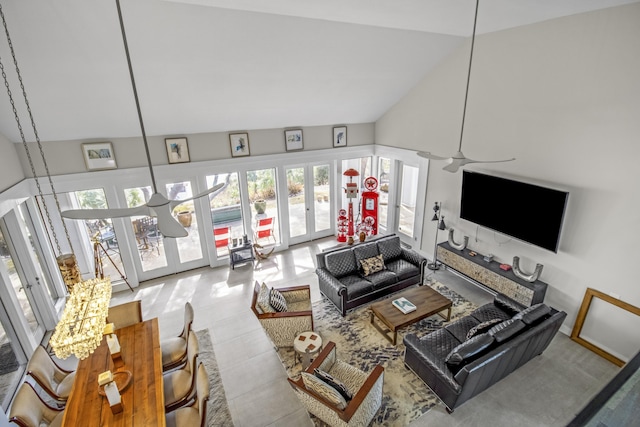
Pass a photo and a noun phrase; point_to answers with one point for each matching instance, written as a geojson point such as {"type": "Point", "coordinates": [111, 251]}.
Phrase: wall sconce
{"type": "Point", "coordinates": [439, 218]}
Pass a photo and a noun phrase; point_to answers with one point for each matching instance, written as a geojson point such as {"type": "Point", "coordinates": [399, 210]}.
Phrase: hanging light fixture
{"type": "Point", "coordinates": [455, 162]}
{"type": "Point", "coordinates": [80, 329]}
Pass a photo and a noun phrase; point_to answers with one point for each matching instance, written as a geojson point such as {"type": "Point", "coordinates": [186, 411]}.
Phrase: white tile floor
{"type": "Point", "coordinates": [253, 377]}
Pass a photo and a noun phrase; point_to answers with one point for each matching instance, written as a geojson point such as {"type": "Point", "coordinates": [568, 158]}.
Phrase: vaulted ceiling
{"type": "Point", "coordinates": [223, 65]}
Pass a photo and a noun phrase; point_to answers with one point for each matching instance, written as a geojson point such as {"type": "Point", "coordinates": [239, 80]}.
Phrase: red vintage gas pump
{"type": "Point", "coordinates": [370, 206]}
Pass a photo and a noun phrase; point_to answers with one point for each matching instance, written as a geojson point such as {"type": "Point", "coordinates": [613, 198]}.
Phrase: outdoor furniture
{"type": "Point", "coordinates": [174, 350]}
{"type": "Point", "coordinates": [326, 403]}
{"type": "Point", "coordinates": [221, 236]}
{"type": "Point", "coordinates": [196, 413]}
{"type": "Point", "coordinates": [54, 380]}
{"type": "Point", "coordinates": [283, 327]}
{"type": "Point", "coordinates": [126, 314]}
{"type": "Point", "coordinates": [263, 232]}
{"type": "Point", "coordinates": [29, 410]}
{"type": "Point", "coordinates": [179, 384]}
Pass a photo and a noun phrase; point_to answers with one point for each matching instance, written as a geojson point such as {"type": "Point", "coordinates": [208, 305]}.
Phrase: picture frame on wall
{"type": "Point", "coordinates": [239, 144]}
{"type": "Point", "coordinates": [293, 139]}
{"type": "Point", "coordinates": [99, 156]}
{"type": "Point", "coordinates": [340, 136]}
{"type": "Point", "coordinates": [177, 150]}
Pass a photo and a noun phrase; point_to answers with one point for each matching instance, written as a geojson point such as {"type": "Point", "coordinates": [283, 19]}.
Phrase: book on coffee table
{"type": "Point", "coordinates": [404, 305]}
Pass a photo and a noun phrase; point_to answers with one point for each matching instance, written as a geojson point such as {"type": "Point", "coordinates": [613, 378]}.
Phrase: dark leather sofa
{"type": "Point", "coordinates": [342, 280]}
{"type": "Point", "coordinates": [508, 335]}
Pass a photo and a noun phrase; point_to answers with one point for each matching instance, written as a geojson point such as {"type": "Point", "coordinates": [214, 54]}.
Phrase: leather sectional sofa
{"type": "Point", "coordinates": [342, 278]}
{"type": "Point", "coordinates": [467, 356]}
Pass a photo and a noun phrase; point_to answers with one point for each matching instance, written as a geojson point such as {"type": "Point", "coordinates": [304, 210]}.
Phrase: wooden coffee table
{"type": "Point", "coordinates": [427, 300]}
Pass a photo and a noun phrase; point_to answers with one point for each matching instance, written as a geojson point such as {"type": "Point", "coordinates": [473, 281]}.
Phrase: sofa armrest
{"type": "Point", "coordinates": [436, 366]}
{"type": "Point", "coordinates": [330, 286]}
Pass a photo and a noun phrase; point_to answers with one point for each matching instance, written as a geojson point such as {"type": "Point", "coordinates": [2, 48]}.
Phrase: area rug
{"type": "Point", "coordinates": [406, 397]}
{"type": "Point", "coordinates": [8, 361]}
{"type": "Point", "coordinates": [218, 414]}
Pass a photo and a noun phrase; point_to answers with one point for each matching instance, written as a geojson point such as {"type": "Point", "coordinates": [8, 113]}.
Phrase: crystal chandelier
{"type": "Point", "coordinates": [79, 331]}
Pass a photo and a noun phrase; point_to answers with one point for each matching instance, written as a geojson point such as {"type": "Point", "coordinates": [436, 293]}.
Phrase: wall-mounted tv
{"type": "Point", "coordinates": [527, 212]}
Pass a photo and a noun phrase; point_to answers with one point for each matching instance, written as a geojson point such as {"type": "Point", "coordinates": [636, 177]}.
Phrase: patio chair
{"type": "Point", "coordinates": [263, 232]}
{"type": "Point", "coordinates": [221, 236]}
{"type": "Point", "coordinates": [283, 327]}
{"type": "Point", "coordinates": [327, 403]}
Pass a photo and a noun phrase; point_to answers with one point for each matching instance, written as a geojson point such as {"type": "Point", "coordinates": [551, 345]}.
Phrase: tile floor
{"type": "Point", "coordinates": [255, 380]}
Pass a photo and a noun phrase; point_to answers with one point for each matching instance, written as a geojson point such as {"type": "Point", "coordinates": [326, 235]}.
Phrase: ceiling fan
{"type": "Point", "coordinates": [458, 160]}
{"type": "Point", "coordinates": [158, 205]}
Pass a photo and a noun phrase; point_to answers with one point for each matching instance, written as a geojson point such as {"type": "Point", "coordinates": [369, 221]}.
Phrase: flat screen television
{"type": "Point", "coordinates": [527, 212]}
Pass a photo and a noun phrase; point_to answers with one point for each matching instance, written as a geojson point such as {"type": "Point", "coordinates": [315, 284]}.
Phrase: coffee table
{"type": "Point", "coordinates": [427, 300]}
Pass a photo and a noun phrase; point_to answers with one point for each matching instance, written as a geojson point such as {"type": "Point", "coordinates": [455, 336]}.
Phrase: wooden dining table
{"type": "Point", "coordinates": [142, 399]}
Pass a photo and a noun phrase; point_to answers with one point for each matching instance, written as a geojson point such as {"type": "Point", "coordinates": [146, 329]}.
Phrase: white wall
{"type": "Point", "coordinates": [11, 172]}
{"type": "Point", "coordinates": [65, 157]}
{"type": "Point", "coordinates": [563, 97]}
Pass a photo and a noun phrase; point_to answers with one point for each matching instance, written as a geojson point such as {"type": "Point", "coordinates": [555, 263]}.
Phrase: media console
{"type": "Point", "coordinates": [489, 274]}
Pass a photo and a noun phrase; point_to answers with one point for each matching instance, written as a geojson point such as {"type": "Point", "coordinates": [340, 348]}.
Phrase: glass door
{"type": "Point", "coordinates": [408, 197]}
{"type": "Point", "coordinates": [262, 193]}
{"type": "Point", "coordinates": [309, 202]}
{"type": "Point", "coordinates": [226, 212]}
{"type": "Point", "coordinates": [12, 359]}
{"type": "Point", "coordinates": [384, 175]}
{"type": "Point", "coordinates": [189, 249]}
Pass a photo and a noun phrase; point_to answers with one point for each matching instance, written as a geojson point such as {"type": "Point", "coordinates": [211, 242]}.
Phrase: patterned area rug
{"type": "Point", "coordinates": [218, 414]}
{"type": "Point", "coordinates": [406, 397]}
{"type": "Point", "coordinates": [8, 361]}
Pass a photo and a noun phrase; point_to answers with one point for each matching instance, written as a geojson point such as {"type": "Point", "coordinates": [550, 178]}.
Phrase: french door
{"type": "Point", "coordinates": [309, 201]}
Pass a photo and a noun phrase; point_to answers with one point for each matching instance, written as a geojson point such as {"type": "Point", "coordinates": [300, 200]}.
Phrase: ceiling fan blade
{"type": "Point", "coordinates": [490, 161]}
{"type": "Point", "coordinates": [105, 213]}
{"type": "Point", "coordinates": [216, 187]}
{"type": "Point", "coordinates": [454, 165]}
{"type": "Point", "coordinates": [428, 155]}
{"type": "Point", "coordinates": [167, 224]}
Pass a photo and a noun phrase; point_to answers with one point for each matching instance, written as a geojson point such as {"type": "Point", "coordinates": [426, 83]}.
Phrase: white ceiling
{"type": "Point", "coordinates": [225, 65]}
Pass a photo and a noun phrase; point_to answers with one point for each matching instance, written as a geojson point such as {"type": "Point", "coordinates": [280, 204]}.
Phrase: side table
{"type": "Point", "coordinates": [240, 254]}
{"type": "Point", "coordinates": [307, 344]}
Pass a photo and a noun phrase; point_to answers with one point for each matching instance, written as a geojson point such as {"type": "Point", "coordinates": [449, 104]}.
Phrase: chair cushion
{"type": "Point", "coordinates": [505, 330]}
{"type": "Point", "coordinates": [390, 248]}
{"type": "Point", "coordinates": [382, 279]}
{"type": "Point", "coordinates": [173, 350]}
{"type": "Point", "coordinates": [469, 349]}
{"type": "Point", "coordinates": [64, 388]}
{"type": "Point", "coordinates": [335, 383]}
{"type": "Point", "coordinates": [57, 421]}
{"type": "Point", "coordinates": [176, 385]}
{"type": "Point", "coordinates": [356, 286]}
{"type": "Point", "coordinates": [531, 315]}
{"type": "Point", "coordinates": [263, 299]}
{"type": "Point", "coordinates": [341, 263]}
{"type": "Point", "coordinates": [319, 387]}
{"type": "Point", "coordinates": [402, 268]}
{"type": "Point", "coordinates": [481, 328]}
{"type": "Point", "coordinates": [277, 301]}
{"type": "Point", "coordinates": [461, 327]}
{"type": "Point", "coordinates": [372, 265]}
{"type": "Point", "coordinates": [299, 306]}
{"type": "Point", "coordinates": [183, 417]}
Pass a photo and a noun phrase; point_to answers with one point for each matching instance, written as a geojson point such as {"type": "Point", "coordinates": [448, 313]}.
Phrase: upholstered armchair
{"type": "Point", "coordinates": [282, 327]}
{"type": "Point", "coordinates": [54, 380]}
{"type": "Point", "coordinates": [29, 410]}
{"type": "Point", "coordinates": [321, 399]}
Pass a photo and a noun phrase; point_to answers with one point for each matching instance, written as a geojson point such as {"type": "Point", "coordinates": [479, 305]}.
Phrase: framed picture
{"type": "Point", "coordinates": [239, 144]}
{"type": "Point", "coordinates": [177, 150]}
{"type": "Point", "coordinates": [340, 136]}
{"type": "Point", "coordinates": [293, 139]}
{"type": "Point", "coordinates": [99, 155]}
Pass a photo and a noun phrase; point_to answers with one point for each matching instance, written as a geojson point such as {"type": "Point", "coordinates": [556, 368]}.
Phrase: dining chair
{"type": "Point", "coordinates": [179, 383]}
{"type": "Point", "coordinates": [126, 314]}
{"type": "Point", "coordinates": [29, 410]}
{"type": "Point", "coordinates": [195, 414]}
{"type": "Point", "coordinates": [174, 350]}
{"type": "Point", "coordinates": [53, 379]}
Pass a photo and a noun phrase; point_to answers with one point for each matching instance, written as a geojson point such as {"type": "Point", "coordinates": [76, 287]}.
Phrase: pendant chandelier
{"type": "Point", "coordinates": [80, 329]}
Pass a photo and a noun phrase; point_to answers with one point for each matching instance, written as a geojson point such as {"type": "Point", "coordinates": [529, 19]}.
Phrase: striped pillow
{"type": "Point", "coordinates": [277, 301]}
{"type": "Point", "coordinates": [319, 387]}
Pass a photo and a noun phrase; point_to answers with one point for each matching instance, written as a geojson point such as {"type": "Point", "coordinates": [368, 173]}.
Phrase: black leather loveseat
{"type": "Point", "coordinates": [507, 335]}
{"type": "Point", "coordinates": [343, 280]}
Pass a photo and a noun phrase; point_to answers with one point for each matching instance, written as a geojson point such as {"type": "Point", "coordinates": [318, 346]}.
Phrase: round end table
{"type": "Point", "coordinates": [306, 345]}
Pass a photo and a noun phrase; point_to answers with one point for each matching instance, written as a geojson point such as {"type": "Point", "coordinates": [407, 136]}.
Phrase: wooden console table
{"type": "Point", "coordinates": [489, 275]}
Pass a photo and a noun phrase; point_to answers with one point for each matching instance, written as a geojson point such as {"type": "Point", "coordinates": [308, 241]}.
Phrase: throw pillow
{"type": "Point", "coordinates": [319, 387]}
{"type": "Point", "coordinates": [263, 299]}
{"type": "Point", "coordinates": [372, 265]}
{"type": "Point", "coordinates": [481, 328]}
{"type": "Point", "coordinates": [277, 301]}
{"type": "Point", "coordinates": [469, 349]}
{"type": "Point", "coordinates": [335, 383]}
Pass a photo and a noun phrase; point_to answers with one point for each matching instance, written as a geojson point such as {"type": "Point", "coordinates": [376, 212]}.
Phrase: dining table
{"type": "Point", "coordinates": [138, 373]}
